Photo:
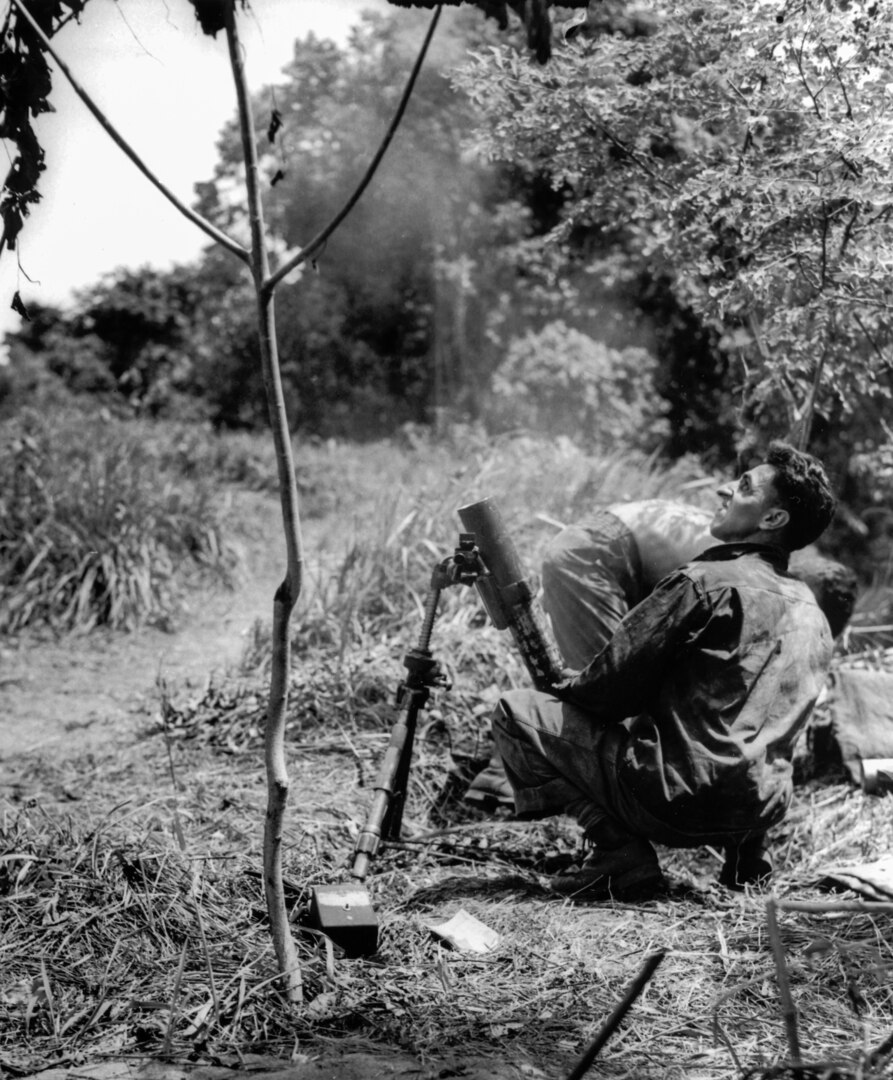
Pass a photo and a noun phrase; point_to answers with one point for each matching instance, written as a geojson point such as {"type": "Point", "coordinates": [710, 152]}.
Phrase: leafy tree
{"type": "Point", "coordinates": [377, 284]}
{"type": "Point", "coordinates": [418, 296]}
{"type": "Point", "coordinates": [742, 152]}
{"type": "Point", "coordinates": [146, 340]}
{"type": "Point", "coordinates": [144, 320]}
{"type": "Point", "coordinates": [27, 378]}
{"type": "Point", "coordinates": [412, 305]}
{"type": "Point", "coordinates": [561, 381]}
{"type": "Point", "coordinates": [693, 375]}
{"type": "Point", "coordinates": [392, 319]}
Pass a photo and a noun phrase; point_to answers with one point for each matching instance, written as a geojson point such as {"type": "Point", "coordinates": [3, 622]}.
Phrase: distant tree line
{"type": "Point", "coordinates": [436, 299]}
{"type": "Point", "coordinates": [682, 219]}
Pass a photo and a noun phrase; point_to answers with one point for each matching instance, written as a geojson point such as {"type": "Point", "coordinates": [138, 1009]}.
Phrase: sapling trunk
{"type": "Point", "coordinates": [290, 590]}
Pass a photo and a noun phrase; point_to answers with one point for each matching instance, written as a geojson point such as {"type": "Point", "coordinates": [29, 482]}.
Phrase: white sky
{"type": "Point", "coordinates": [168, 90]}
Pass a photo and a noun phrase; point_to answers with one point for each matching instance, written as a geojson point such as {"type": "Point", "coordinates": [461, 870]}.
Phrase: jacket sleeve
{"type": "Point", "coordinates": [621, 679]}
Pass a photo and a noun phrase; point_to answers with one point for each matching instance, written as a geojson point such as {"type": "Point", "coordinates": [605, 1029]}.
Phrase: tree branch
{"type": "Point", "coordinates": [883, 359]}
{"type": "Point", "coordinates": [832, 907]}
{"type": "Point", "coordinates": [805, 81]}
{"type": "Point", "coordinates": [622, 146]}
{"type": "Point", "coordinates": [748, 135]}
{"type": "Point", "coordinates": [317, 242]}
{"type": "Point", "coordinates": [634, 989]}
{"type": "Point", "coordinates": [756, 332]}
{"type": "Point", "coordinates": [848, 232]}
{"type": "Point", "coordinates": [808, 414]}
{"type": "Point", "coordinates": [836, 70]}
{"type": "Point", "coordinates": [206, 227]}
{"type": "Point", "coordinates": [788, 1008]}
{"type": "Point", "coordinates": [815, 285]}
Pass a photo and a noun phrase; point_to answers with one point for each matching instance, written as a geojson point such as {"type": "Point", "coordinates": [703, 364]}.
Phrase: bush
{"type": "Point", "coordinates": [25, 379]}
{"type": "Point", "coordinates": [561, 381]}
{"type": "Point", "coordinates": [97, 523]}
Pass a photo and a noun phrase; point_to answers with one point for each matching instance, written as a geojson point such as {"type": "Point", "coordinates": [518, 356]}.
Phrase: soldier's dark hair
{"type": "Point", "coordinates": [804, 491]}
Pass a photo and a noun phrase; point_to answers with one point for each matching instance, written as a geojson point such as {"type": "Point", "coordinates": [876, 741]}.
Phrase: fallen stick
{"type": "Point", "coordinates": [816, 907]}
{"type": "Point", "coordinates": [613, 1022]}
{"type": "Point", "coordinates": [788, 1008]}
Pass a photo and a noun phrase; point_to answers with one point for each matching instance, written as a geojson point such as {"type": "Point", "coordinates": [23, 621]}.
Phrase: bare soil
{"type": "Point", "coordinates": [61, 697]}
{"type": "Point", "coordinates": [69, 705]}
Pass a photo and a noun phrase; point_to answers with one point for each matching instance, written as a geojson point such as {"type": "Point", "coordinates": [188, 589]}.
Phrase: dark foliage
{"type": "Point", "coordinates": [694, 376]}
{"type": "Point", "coordinates": [25, 87]}
{"type": "Point", "coordinates": [533, 13]}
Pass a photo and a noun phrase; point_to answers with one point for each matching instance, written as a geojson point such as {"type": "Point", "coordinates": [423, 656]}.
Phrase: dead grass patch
{"type": "Point", "coordinates": [132, 913]}
{"type": "Point", "coordinates": [142, 930]}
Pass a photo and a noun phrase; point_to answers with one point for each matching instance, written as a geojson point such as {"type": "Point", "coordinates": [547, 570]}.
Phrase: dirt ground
{"type": "Point", "coordinates": [63, 697]}
{"type": "Point", "coordinates": [74, 715]}
{"type": "Point", "coordinates": [94, 696]}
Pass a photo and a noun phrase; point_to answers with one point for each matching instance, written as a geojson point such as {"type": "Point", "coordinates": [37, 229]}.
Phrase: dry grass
{"type": "Point", "coordinates": [99, 522]}
{"type": "Point", "coordinates": [142, 930]}
{"type": "Point", "coordinates": [132, 913]}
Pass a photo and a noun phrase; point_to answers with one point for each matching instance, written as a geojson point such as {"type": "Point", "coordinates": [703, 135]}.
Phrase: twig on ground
{"type": "Point", "coordinates": [175, 996]}
{"type": "Point", "coordinates": [788, 1008]}
{"type": "Point", "coordinates": [616, 1018]}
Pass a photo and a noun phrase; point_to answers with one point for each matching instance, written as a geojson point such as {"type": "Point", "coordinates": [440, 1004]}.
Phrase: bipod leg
{"type": "Point", "coordinates": [393, 819]}
{"type": "Point", "coordinates": [386, 812]}
{"type": "Point", "coordinates": [385, 817]}
{"type": "Point", "coordinates": [345, 912]}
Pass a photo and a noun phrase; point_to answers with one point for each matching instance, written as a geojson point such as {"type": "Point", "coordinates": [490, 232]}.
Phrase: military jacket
{"type": "Point", "coordinates": [712, 676]}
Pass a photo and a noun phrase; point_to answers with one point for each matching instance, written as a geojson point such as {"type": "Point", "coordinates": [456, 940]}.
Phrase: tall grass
{"type": "Point", "coordinates": [392, 512]}
{"type": "Point", "coordinates": [99, 522]}
{"type": "Point", "coordinates": [389, 519]}
{"type": "Point", "coordinates": [100, 517]}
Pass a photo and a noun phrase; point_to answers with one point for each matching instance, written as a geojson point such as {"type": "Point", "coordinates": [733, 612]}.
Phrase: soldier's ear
{"type": "Point", "coordinates": [776, 518]}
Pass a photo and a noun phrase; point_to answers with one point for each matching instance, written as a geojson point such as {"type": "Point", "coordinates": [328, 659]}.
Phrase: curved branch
{"type": "Point", "coordinates": [625, 149]}
{"type": "Point", "coordinates": [814, 96]}
{"type": "Point", "coordinates": [211, 230]}
{"type": "Point", "coordinates": [316, 243]}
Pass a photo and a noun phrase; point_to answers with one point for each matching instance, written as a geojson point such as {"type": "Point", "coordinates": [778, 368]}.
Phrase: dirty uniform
{"type": "Point", "coordinates": [682, 728]}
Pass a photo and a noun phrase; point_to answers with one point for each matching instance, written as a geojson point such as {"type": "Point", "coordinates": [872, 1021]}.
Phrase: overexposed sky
{"type": "Point", "coordinates": [168, 89]}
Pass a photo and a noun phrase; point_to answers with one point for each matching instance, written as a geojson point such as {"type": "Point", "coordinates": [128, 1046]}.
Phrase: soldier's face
{"type": "Point", "coordinates": [744, 505]}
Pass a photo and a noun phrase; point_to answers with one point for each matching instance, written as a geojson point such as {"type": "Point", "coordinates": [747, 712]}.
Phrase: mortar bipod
{"type": "Point", "coordinates": [344, 912]}
{"type": "Point", "coordinates": [385, 818]}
